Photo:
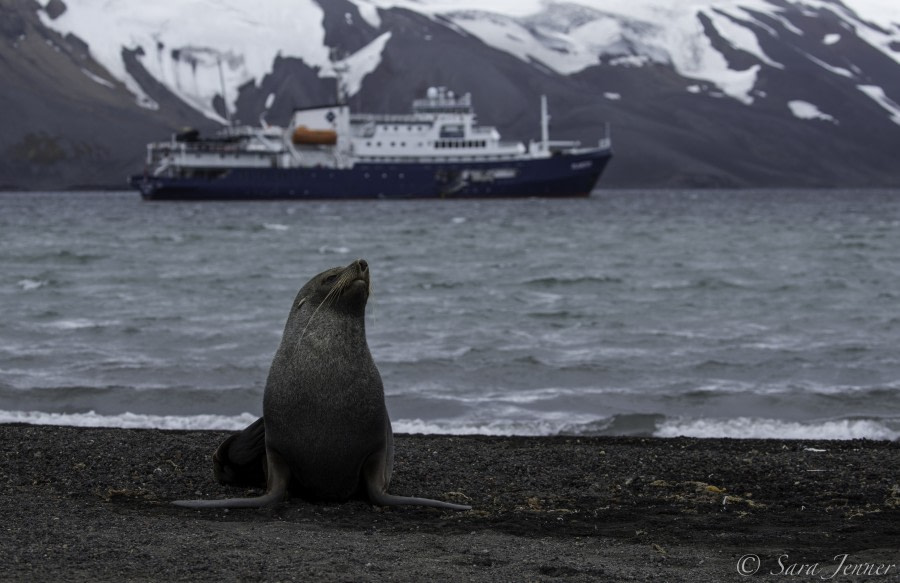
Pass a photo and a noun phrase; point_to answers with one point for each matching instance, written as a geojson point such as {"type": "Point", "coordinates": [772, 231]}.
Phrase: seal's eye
{"type": "Point", "coordinates": [330, 279]}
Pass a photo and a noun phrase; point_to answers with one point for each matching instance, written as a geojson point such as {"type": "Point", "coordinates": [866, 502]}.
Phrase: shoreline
{"type": "Point", "coordinates": [92, 503]}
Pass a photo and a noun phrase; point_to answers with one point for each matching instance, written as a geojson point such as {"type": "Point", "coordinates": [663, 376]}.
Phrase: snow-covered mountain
{"type": "Point", "coordinates": [698, 92]}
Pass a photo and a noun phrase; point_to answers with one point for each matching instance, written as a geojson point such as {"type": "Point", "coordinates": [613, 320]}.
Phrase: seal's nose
{"type": "Point", "coordinates": [363, 265]}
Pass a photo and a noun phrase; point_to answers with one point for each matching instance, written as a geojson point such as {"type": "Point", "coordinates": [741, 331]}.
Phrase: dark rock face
{"type": "Point", "coordinates": [68, 123]}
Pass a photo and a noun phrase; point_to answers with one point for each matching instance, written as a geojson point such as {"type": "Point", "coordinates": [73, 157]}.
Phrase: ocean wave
{"type": "Point", "coordinates": [543, 425]}
{"type": "Point", "coordinates": [499, 427]}
{"type": "Point", "coordinates": [275, 227]}
{"type": "Point", "coordinates": [79, 324]}
{"type": "Point", "coordinates": [131, 420]}
{"type": "Point", "coordinates": [32, 284]}
{"type": "Point", "coordinates": [333, 250]}
{"type": "Point", "coordinates": [754, 428]}
{"type": "Point", "coordinates": [552, 425]}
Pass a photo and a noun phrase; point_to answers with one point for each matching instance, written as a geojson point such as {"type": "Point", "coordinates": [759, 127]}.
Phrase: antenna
{"type": "Point", "coordinates": [545, 123]}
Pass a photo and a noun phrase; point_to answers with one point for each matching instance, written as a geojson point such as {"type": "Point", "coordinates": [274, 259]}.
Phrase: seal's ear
{"type": "Point", "coordinates": [299, 304]}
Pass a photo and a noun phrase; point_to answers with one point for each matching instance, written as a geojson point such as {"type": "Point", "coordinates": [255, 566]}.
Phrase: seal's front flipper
{"type": "Point", "coordinates": [375, 479]}
{"type": "Point", "coordinates": [241, 459]}
{"type": "Point", "coordinates": [279, 476]}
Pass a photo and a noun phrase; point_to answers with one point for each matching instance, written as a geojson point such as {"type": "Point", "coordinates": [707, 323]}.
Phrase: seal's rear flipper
{"type": "Point", "coordinates": [375, 479]}
{"type": "Point", "coordinates": [279, 474]}
{"type": "Point", "coordinates": [241, 459]}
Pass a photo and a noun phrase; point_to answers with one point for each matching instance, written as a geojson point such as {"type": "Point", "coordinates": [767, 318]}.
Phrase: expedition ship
{"type": "Point", "coordinates": [328, 152]}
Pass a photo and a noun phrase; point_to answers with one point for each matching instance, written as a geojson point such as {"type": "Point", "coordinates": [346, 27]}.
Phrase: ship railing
{"type": "Point", "coordinates": [166, 154]}
{"type": "Point", "coordinates": [382, 118]}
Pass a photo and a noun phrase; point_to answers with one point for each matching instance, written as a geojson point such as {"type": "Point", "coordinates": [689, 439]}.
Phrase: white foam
{"type": "Point", "coordinates": [545, 425]}
{"type": "Point", "coordinates": [329, 250]}
{"type": "Point", "coordinates": [131, 420]}
{"type": "Point", "coordinates": [31, 284]}
{"type": "Point", "coordinates": [532, 427]}
{"type": "Point", "coordinates": [755, 428]}
{"type": "Point", "coordinates": [79, 324]}
{"type": "Point", "coordinates": [275, 227]}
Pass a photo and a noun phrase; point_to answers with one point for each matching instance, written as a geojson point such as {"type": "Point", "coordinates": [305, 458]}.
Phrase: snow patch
{"type": "Point", "coordinates": [806, 110]}
{"type": "Point", "coordinates": [97, 79]}
{"type": "Point", "coordinates": [235, 44]}
{"type": "Point", "coordinates": [360, 64]}
{"type": "Point", "coordinates": [554, 50]}
{"type": "Point", "coordinates": [630, 61]}
{"type": "Point", "coordinates": [877, 94]}
{"type": "Point", "coordinates": [878, 11]}
{"type": "Point", "coordinates": [741, 38]}
{"type": "Point", "coordinates": [369, 12]}
{"type": "Point", "coordinates": [830, 68]}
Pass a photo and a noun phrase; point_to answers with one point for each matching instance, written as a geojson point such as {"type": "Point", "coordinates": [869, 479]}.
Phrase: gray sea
{"type": "Point", "coordinates": [702, 313]}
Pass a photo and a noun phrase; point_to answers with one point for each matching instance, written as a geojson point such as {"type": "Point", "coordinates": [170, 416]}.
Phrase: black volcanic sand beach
{"type": "Point", "coordinates": [92, 504]}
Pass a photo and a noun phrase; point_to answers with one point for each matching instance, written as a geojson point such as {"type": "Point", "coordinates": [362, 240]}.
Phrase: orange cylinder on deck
{"type": "Point", "coordinates": [307, 137]}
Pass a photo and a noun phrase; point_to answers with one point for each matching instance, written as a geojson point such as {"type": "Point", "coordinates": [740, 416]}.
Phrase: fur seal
{"type": "Point", "coordinates": [325, 432]}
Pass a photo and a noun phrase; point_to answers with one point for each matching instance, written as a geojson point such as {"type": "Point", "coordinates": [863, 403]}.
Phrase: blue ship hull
{"type": "Point", "coordinates": [563, 175]}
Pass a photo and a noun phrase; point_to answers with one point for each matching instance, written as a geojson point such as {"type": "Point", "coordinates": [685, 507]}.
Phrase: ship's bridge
{"type": "Point", "coordinates": [442, 100]}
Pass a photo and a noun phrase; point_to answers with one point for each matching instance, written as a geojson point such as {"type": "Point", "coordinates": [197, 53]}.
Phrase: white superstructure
{"type": "Point", "coordinates": [442, 128]}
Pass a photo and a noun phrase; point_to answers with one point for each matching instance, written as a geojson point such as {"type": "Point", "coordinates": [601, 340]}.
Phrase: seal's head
{"type": "Point", "coordinates": [341, 289]}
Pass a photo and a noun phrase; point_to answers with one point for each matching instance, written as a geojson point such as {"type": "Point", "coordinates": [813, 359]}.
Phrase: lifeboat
{"type": "Point", "coordinates": [304, 136]}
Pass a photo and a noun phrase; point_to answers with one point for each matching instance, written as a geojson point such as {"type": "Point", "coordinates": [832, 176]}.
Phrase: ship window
{"type": "Point", "coordinates": [452, 130]}
{"type": "Point", "coordinates": [403, 144]}
{"type": "Point", "coordinates": [378, 144]}
{"type": "Point", "coordinates": [393, 144]}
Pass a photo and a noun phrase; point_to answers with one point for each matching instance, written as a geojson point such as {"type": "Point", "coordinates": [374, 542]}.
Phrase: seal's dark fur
{"type": "Point", "coordinates": [325, 432]}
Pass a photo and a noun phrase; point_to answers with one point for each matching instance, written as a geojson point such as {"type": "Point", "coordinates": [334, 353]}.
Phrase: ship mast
{"type": "Point", "coordinates": [340, 67]}
{"type": "Point", "coordinates": [224, 96]}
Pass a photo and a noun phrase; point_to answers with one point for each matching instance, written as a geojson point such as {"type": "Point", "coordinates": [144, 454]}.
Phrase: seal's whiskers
{"type": "Point", "coordinates": [333, 294]}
